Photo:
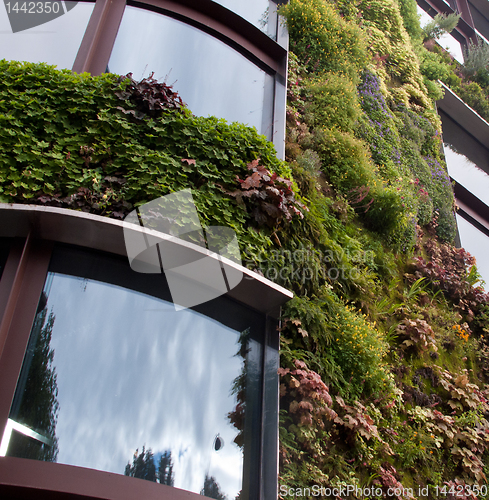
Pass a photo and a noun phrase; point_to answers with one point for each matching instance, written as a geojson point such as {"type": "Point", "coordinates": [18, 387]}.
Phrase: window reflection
{"type": "Point", "coordinates": [211, 78]}
{"type": "Point", "coordinates": [117, 380]}
{"type": "Point", "coordinates": [254, 11]}
{"type": "Point", "coordinates": [475, 242]}
{"type": "Point", "coordinates": [467, 173]}
{"type": "Point", "coordinates": [55, 42]}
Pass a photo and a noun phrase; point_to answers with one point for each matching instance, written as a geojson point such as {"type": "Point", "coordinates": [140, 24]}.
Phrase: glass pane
{"type": "Point", "coordinates": [118, 380]}
{"type": "Point", "coordinates": [467, 173]}
{"type": "Point", "coordinates": [477, 243]}
{"type": "Point", "coordinates": [254, 11]}
{"type": "Point", "coordinates": [212, 78]}
{"type": "Point", "coordinates": [4, 251]}
{"type": "Point", "coordinates": [55, 42]}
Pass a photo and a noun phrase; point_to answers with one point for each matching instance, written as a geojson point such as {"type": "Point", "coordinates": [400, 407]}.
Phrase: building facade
{"type": "Point", "coordinates": [466, 136]}
{"type": "Point", "coordinates": [108, 390]}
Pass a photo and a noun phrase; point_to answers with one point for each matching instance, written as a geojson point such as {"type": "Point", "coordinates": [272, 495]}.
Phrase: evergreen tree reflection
{"type": "Point", "coordinates": [36, 403]}
{"type": "Point", "coordinates": [237, 416]}
{"type": "Point", "coordinates": [143, 467]}
{"type": "Point", "coordinates": [165, 469]}
{"type": "Point", "coordinates": [212, 489]}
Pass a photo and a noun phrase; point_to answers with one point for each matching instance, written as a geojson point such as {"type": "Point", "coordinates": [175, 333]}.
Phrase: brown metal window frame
{"type": "Point", "coordinates": [34, 231]}
{"type": "Point", "coordinates": [96, 47]}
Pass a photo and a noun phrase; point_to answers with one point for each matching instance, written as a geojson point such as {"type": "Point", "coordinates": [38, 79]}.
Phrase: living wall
{"type": "Point", "coordinates": [384, 347]}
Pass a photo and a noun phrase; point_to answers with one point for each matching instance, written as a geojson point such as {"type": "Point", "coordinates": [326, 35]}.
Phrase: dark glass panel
{"type": "Point", "coordinates": [4, 251]}
{"type": "Point", "coordinates": [467, 173]}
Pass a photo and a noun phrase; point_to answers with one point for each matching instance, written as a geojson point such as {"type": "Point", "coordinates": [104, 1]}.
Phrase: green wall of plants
{"type": "Point", "coordinates": [384, 352]}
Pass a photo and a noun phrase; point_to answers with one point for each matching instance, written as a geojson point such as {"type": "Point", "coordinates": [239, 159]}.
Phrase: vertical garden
{"type": "Point", "coordinates": [384, 349]}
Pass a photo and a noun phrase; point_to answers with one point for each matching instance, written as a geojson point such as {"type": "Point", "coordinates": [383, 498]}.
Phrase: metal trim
{"type": "Point", "coordinates": [36, 480]}
{"type": "Point", "coordinates": [96, 47]}
{"type": "Point", "coordinates": [19, 316]}
{"type": "Point", "coordinates": [102, 233]}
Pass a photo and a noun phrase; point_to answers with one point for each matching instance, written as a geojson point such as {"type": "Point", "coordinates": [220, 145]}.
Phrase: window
{"type": "Point", "coordinates": [211, 77]}
{"type": "Point", "coordinates": [117, 380]}
{"type": "Point", "coordinates": [101, 373]}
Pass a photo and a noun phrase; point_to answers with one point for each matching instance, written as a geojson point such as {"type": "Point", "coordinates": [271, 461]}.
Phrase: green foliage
{"type": "Point", "coordinates": [440, 25]}
{"type": "Point", "coordinates": [476, 57]}
{"type": "Point", "coordinates": [409, 13]}
{"type": "Point", "coordinates": [473, 95]}
{"type": "Point", "coordinates": [67, 142]}
{"type": "Point", "coordinates": [322, 39]}
{"type": "Point", "coordinates": [343, 340]}
{"type": "Point", "coordinates": [332, 103]}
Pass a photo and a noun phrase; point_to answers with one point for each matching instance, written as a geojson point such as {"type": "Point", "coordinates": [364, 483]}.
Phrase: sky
{"type": "Point", "coordinates": [133, 372]}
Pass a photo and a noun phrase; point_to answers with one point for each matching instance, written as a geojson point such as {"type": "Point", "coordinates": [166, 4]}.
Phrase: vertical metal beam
{"type": "Point", "coordinates": [18, 317]}
{"type": "Point", "coordinates": [96, 47]}
{"type": "Point", "coordinates": [270, 409]}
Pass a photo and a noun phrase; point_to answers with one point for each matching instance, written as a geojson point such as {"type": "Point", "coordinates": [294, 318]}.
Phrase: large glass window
{"type": "Point", "coordinates": [467, 174]}
{"type": "Point", "coordinates": [55, 42]}
{"type": "Point", "coordinates": [115, 379]}
{"type": "Point", "coordinates": [211, 77]}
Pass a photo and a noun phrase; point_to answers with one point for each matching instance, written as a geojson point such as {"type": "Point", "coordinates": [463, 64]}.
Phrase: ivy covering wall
{"type": "Point", "coordinates": [384, 353]}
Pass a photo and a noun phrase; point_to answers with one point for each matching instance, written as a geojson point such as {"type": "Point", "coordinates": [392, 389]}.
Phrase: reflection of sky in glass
{"type": "Point", "coordinates": [477, 243]}
{"type": "Point", "coordinates": [446, 41]}
{"type": "Point", "coordinates": [131, 371]}
{"type": "Point", "coordinates": [253, 11]}
{"type": "Point", "coordinates": [211, 78]}
{"type": "Point", "coordinates": [467, 174]}
{"type": "Point", "coordinates": [55, 42]}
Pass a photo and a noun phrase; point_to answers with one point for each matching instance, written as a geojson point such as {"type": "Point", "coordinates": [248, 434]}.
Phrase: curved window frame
{"type": "Point", "coordinates": [33, 232]}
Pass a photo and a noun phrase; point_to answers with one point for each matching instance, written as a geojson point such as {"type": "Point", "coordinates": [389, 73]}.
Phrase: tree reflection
{"type": "Point", "coordinates": [212, 489]}
{"type": "Point", "coordinates": [143, 467]}
{"type": "Point", "coordinates": [36, 399]}
{"type": "Point", "coordinates": [165, 469]}
{"type": "Point", "coordinates": [237, 416]}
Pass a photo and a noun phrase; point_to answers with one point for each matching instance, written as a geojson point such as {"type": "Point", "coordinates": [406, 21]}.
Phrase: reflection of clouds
{"type": "Point", "coordinates": [131, 372]}
{"type": "Point", "coordinates": [468, 174]}
{"type": "Point", "coordinates": [55, 42]}
{"type": "Point", "coordinates": [252, 10]}
{"type": "Point", "coordinates": [211, 78]}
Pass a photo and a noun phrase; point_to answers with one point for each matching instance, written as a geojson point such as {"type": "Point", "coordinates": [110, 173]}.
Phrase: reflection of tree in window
{"type": "Point", "coordinates": [212, 489]}
{"type": "Point", "coordinates": [143, 467]}
{"type": "Point", "coordinates": [165, 469]}
{"type": "Point", "coordinates": [35, 404]}
{"type": "Point", "coordinates": [237, 416]}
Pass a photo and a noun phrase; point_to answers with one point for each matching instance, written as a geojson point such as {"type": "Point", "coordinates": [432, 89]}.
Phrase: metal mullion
{"type": "Point", "coordinates": [95, 49]}
{"type": "Point", "coordinates": [18, 317]}
{"type": "Point", "coordinates": [9, 276]}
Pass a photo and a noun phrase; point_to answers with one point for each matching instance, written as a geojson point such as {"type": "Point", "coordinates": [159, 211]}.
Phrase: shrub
{"type": "Point", "coordinates": [332, 103]}
{"type": "Point", "coordinates": [322, 40]}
